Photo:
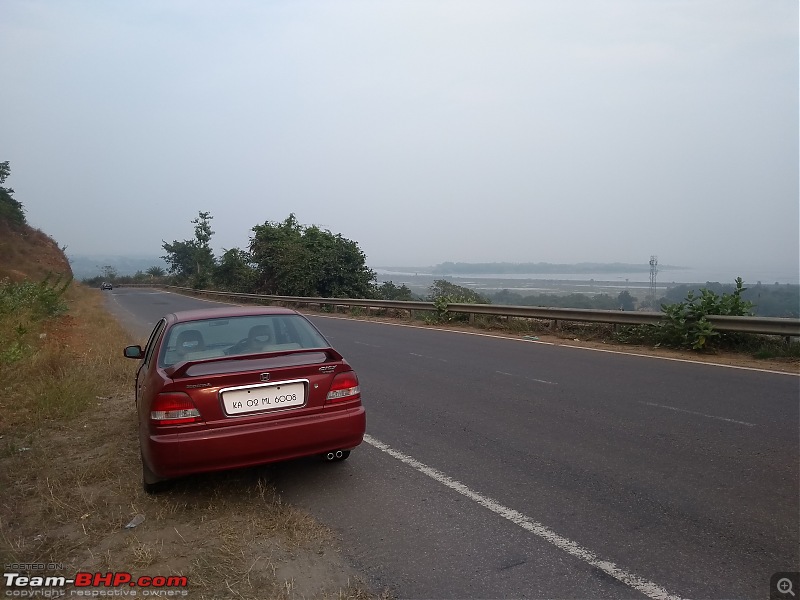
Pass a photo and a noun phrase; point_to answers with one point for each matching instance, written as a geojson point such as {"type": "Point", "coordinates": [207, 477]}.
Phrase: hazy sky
{"type": "Point", "coordinates": [427, 131]}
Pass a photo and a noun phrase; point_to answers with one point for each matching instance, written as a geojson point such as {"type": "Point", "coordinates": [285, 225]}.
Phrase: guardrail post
{"type": "Point", "coordinates": [471, 318]}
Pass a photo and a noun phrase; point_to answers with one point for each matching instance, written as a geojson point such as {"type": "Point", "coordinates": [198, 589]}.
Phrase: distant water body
{"type": "Point", "coordinates": [666, 276]}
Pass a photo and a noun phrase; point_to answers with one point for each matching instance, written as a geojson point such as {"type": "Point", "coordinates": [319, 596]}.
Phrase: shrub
{"type": "Point", "coordinates": [21, 305]}
{"type": "Point", "coordinates": [686, 324]}
{"type": "Point", "coordinates": [42, 299]}
{"type": "Point", "coordinates": [444, 293]}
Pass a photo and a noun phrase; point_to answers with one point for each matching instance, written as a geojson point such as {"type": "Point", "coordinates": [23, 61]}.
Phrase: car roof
{"type": "Point", "coordinates": [226, 312]}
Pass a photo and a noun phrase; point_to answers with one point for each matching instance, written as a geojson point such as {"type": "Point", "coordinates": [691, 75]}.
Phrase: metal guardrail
{"type": "Point", "coordinates": [761, 325]}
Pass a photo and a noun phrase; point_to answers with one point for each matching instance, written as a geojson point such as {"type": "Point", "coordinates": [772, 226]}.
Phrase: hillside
{"type": "Point", "coordinates": [26, 252]}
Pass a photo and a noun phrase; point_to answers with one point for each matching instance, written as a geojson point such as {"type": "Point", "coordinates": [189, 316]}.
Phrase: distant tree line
{"type": "Point", "coordinates": [771, 300]}
{"type": "Point", "coordinates": [623, 301]}
{"type": "Point", "coordinates": [109, 273]}
{"type": "Point", "coordinates": [505, 268]}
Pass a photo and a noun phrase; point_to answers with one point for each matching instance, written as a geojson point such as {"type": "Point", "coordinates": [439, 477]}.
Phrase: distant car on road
{"type": "Point", "coordinates": [232, 387]}
{"type": "Point", "coordinates": [106, 286]}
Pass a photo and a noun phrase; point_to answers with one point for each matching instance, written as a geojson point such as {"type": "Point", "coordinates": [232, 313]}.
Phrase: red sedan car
{"type": "Point", "coordinates": [232, 387]}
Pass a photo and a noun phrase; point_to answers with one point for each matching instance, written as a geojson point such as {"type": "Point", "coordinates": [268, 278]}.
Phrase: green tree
{"type": "Point", "coordinates": [297, 260]}
{"type": "Point", "coordinates": [11, 210]}
{"type": "Point", "coordinates": [626, 301]}
{"type": "Point", "coordinates": [506, 297]}
{"type": "Point", "coordinates": [156, 271]}
{"type": "Point", "coordinates": [193, 260]}
{"type": "Point", "coordinates": [235, 271]}
{"type": "Point", "coordinates": [180, 258]}
{"type": "Point", "coordinates": [455, 294]}
{"type": "Point", "coordinates": [109, 273]}
{"type": "Point", "coordinates": [389, 291]}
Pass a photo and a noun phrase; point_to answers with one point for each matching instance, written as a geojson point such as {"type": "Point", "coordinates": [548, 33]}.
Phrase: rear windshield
{"type": "Point", "coordinates": [213, 338]}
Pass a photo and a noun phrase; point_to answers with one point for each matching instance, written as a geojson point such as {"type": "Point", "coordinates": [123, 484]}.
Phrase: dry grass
{"type": "Point", "coordinates": [69, 481]}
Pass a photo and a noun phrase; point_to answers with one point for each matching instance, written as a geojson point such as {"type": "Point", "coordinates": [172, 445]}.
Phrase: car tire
{"type": "Point", "coordinates": [150, 483]}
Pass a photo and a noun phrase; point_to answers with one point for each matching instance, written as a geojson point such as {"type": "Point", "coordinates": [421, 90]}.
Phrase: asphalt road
{"type": "Point", "coordinates": [500, 468]}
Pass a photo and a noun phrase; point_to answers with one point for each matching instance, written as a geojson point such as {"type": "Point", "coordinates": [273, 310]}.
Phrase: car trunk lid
{"type": "Point", "coordinates": [238, 389]}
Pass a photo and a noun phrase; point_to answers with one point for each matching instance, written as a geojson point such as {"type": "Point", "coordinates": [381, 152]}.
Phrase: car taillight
{"type": "Point", "coordinates": [173, 408]}
{"type": "Point", "coordinates": [344, 387]}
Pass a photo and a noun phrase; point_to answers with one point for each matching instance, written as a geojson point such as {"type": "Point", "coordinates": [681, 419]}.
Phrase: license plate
{"type": "Point", "coordinates": [258, 398]}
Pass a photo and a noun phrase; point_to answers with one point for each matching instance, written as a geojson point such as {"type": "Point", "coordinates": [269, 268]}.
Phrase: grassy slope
{"type": "Point", "coordinates": [30, 253]}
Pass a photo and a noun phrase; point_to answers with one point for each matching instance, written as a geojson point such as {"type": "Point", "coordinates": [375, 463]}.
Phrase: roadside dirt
{"type": "Point", "coordinates": [229, 534]}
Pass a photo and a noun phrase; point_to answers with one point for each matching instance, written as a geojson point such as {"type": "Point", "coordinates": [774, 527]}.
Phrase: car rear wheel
{"type": "Point", "coordinates": [150, 483]}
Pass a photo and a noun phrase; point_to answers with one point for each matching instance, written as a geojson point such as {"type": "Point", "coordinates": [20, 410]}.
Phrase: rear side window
{"type": "Point", "coordinates": [151, 343]}
{"type": "Point", "coordinates": [212, 338]}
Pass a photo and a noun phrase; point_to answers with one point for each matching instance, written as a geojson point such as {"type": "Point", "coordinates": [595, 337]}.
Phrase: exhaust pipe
{"type": "Point", "coordinates": [330, 456]}
{"type": "Point", "coordinates": [339, 454]}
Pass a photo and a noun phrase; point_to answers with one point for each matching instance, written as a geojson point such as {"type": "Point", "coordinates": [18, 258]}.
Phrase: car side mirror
{"type": "Point", "coordinates": [133, 352]}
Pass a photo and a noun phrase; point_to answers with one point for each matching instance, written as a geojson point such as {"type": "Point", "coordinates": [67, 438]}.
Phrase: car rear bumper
{"type": "Point", "coordinates": [177, 454]}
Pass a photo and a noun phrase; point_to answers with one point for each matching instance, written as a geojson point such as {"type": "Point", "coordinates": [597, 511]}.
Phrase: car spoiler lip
{"type": "Point", "coordinates": [179, 370]}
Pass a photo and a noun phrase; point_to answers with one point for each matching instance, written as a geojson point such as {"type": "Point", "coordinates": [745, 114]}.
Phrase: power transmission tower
{"type": "Point", "coordinates": [653, 275]}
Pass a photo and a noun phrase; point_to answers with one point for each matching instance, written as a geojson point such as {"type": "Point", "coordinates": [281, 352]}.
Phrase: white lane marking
{"type": "Point", "coordinates": [691, 412]}
{"type": "Point", "coordinates": [365, 344]}
{"type": "Point", "coordinates": [427, 357]}
{"type": "Point", "coordinates": [528, 378]}
{"type": "Point", "coordinates": [131, 313]}
{"type": "Point", "coordinates": [218, 301]}
{"type": "Point", "coordinates": [542, 381]}
{"type": "Point", "coordinates": [209, 300]}
{"type": "Point", "coordinates": [648, 588]}
{"type": "Point", "coordinates": [505, 337]}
